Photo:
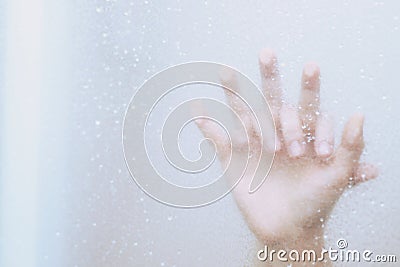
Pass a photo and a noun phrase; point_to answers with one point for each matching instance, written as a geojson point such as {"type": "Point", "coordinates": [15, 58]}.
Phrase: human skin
{"type": "Point", "coordinates": [308, 174]}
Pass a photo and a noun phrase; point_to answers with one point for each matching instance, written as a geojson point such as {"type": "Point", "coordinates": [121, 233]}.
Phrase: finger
{"type": "Point", "coordinates": [324, 136]}
{"type": "Point", "coordinates": [209, 129]}
{"type": "Point", "coordinates": [291, 131]}
{"type": "Point", "coordinates": [231, 90]}
{"type": "Point", "coordinates": [270, 78]}
{"type": "Point", "coordinates": [232, 93]}
{"type": "Point", "coordinates": [309, 99]}
{"type": "Point", "coordinates": [270, 81]}
{"type": "Point", "coordinates": [352, 144]}
{"type": "Point", "coordinates": [365, 172]}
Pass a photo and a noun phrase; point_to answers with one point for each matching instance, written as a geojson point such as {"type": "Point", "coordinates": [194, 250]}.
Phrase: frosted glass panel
{"type": "Point", "coordinates": [88, 211]}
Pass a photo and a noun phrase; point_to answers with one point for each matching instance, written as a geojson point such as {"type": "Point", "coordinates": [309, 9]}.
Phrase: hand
{"type": "Point", "coordinates": [308, 174]}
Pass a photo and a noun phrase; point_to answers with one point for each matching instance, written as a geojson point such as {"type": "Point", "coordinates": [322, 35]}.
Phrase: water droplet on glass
{"type": "Point", "coordinates": [349, 186]}
{"type": "Point", "coordinates": [99, 9]}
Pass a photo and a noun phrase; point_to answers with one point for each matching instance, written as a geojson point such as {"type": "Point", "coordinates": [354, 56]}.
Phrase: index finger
{"type": "Point", "coordinates": [309, 98]}
{"type": "Point", "coordinates": [270, 78]}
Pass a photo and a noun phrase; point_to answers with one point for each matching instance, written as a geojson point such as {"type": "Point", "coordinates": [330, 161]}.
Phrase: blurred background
{"type": "Point", "coordinates": [68, 70]}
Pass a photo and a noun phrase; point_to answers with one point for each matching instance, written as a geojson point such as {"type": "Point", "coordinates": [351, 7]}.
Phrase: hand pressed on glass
{"type": "Point", "coordinates": [308, 174]}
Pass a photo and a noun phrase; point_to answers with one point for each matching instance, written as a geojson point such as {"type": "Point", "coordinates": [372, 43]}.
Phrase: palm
{"type": "Point", "coordinates": [308, 175]}
{"type": "Point", "coordinates": [293, 196]}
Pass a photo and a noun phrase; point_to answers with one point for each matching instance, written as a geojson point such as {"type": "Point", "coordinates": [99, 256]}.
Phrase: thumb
{"type": "Point", "coordinates": [348, 154]}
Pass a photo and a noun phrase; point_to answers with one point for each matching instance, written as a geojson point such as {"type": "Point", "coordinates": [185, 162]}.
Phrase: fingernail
{"type": "Point", "coordinates": [227, 75]}
{"type": "Point", "coordinates": [296, 149]}
{"type": "Point", "coordinates": [324, 149]}
{"type": "Point", "coordinates": [311, 69]}
{"type": "Point", "coordinates": [353, 131]}
{"type": "Point", "coordinates": [268, 60]}
{"type": "Point", "coordinates": [267, 56]}
{"type": "Point", "coordinates": [372, 171]}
